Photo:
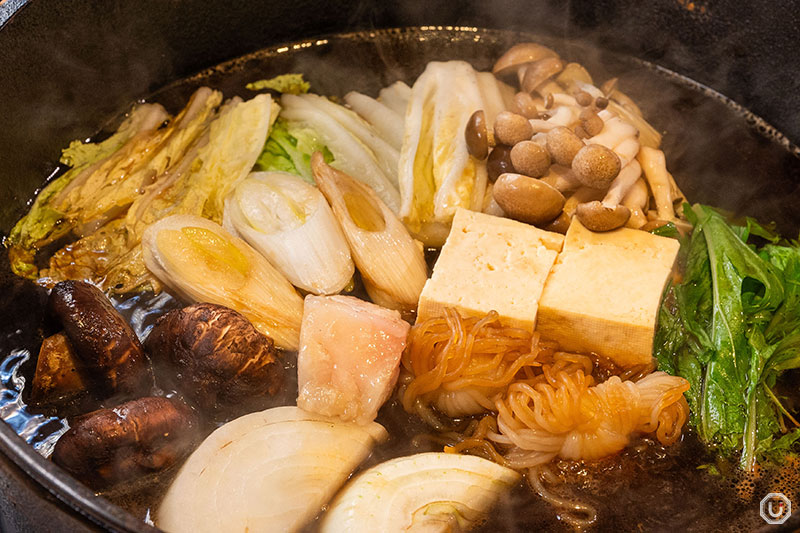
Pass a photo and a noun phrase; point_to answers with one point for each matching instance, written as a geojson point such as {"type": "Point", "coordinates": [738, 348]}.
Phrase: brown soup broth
{"type": "Point", "coordinates": [720, 155]}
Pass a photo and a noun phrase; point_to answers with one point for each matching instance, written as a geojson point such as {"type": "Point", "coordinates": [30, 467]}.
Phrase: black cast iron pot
{"type": "Point", "coordinates": [66, 67]}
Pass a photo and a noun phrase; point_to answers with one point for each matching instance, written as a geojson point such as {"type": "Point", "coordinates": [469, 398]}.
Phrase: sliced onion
{"type": "Point", "coordinates": [423, 492]}
{"type": "Point", "coordinates": [267, 471]}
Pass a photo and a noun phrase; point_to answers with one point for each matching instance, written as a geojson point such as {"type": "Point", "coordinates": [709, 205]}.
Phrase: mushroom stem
{"type": "Point", "coordinates": [626, 178]}
{"type": "Point", "coordinates": [541, 126]}
{"type": "Point", "coordinates": [564, 115]}
{"type": "Point", "coordinates": [580, 196]}
{"type": "Point", "coordinates": [549, 87]}
{"type": "Point", "coordinates": [564, 99]}
{"type": "Point", "coordinates": [614, 132]}
{"type": "Point", "coordinates": [627, 150]}
{"type": "Point", "coordinates": [677, 193]}
{"type": "Point", "coordinates": [561, 178]}
{"type": "Point", "coordinates": [636, 200]}
{"type": "Point", "coordinates": [655, 171]}
{"type": "Point", "coordinates": [589, 88]}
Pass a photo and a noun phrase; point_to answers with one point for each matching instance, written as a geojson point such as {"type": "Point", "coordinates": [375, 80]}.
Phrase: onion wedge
{"type": "Point", "coordinates": [204, 263]}
{"type": "Point", "coordinates": [267, 471]}
{"type": "Point", "coordinates": [292, 225]}
{"type": "Point", "coordinates": [423, 492]}
{"type": "Point", "coordinates": [391, 263]}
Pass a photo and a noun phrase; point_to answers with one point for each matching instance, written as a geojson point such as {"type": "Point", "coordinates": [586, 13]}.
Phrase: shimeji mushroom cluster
{"type": "Point", "coordinates": [569, 148]}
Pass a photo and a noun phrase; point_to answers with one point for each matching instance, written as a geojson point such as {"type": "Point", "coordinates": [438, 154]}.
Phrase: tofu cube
{"type": "Point", "coordinates": [604, 292]}
{"type": "Point", "coordinates": [491, 263]}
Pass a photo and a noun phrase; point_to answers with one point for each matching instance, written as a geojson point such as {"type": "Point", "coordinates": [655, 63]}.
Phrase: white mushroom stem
{"type": "Point", "coordinates": [582, 195]}
{"type": "Point", "coordinates": [614, 132]}
{"type": "Point", "coordinates": [606, 114]}
{"type": "Point", "coordinates": [541, 126]}
{"type": "Point", "coordinates": [561, 178]}
{"type": "Point", "coordinates": [636, 200]}
{"type": "Point", "coordinates": [589, 88]}
{"type": "Point", "coordinates": [655, 171]}
{"type": "Point", "coordinates": [564, 99]}
{"type": "Point", "coordinates": [549, 87]}
{"type": "Point", "coordinates": [629, 174]}
{"type": "Point", "coordinates": [627, 150]}
{"type": "Point", "coordinates": [563, 115]}
{"type": "Point", "coordinates": [490, 205]}
{"type": "Point", "coordinates": [677, 193]}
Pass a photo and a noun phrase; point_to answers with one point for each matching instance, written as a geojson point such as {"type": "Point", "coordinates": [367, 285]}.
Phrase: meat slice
{"type": "Point", "coordinates": [349, 357]}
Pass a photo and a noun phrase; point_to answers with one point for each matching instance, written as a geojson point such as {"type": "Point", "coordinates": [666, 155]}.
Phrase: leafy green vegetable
{"type": "Point", "coordinates": [667, 230]}
{"type": "Point", "coordinates": [731, 327]}
{"type": "Point", "coordinates": [46, 220]}
{"type": "Point", "coordinates": [289, 149]}
{"type": "Point", "coordinates": [285, 83]}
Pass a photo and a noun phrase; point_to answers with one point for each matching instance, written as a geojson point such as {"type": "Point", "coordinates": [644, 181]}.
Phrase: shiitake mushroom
{"type": "Point", "coordinates": [56, 380]}
{"type": "Point", "coordinates": [107, 350]}
{"type": "Point", "coordinates": [140, 437]}
{"type": "Point", "coordinates": [217, 358]}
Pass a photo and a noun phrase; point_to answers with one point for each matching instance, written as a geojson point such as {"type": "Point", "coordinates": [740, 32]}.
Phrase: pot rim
{"type": "Point", "coordinates": [65, 488]}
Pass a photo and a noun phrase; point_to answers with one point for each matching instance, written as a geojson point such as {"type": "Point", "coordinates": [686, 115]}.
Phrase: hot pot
{"type": "Point", "coordinates": [66, 67]}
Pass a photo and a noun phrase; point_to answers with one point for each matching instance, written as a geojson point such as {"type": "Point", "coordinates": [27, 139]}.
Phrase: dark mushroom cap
{"type": "Point", "coordinates": [524, 104]}
{"type": "Point", "coordinates": [518, 56]}
{"type": "Point", "coordinates": [539, 72]}
{"type": "Point", "coordinates": [593, 125]}
{"type": "Point", "coordinates": [583, 98]}
{"type": "Point", "coordinates": [527, 199]}
{"type": "Point", "coordinates": [137, 438]}
{"type": "Point", "coordinates": [530, 158]}
{"type": "Point", "coordinates": [596, 166]}
{"type": "Point", "coordinates": [563, 144]}
{"type": "Point", "coordinates": [219, 360]}
{"type": "Point", "coordinates": [598, 217]}
{"type": "Point", "coordinates": [108, 351]}
{"type": "Point", "coordinates": [499, 162]}
{"type": "Point", "coordinates": [477, 136]}
{"type": "Point", "coordinates": [560, 224]}
{"type": "Point", "coordinates": [510, 128]}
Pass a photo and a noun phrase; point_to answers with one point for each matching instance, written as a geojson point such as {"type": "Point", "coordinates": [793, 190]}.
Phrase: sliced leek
{"type": "Point", "coordinates": [292, 225]}
{"type": "Point", "coordinates": [391, 263]}
{"type": "Point", "coordinates": [436, 173]}
{"type": "Point", "coordinates": [204, 263]}
{"type": "Point", "coordinates": [267, 471]}
{"type": "Point", "coordinates": [423, 492]}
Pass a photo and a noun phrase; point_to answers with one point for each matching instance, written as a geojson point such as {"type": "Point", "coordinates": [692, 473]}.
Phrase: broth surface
{"type": "Point", "coordinates": [719, 154]}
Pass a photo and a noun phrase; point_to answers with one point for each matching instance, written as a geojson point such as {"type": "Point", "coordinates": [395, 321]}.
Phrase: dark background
{"type": "Point", "coordinates": [66, 67]}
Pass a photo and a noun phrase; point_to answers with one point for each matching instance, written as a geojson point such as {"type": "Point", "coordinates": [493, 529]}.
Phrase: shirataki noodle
{"type": "Point", "coordinates": [548, 403]}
